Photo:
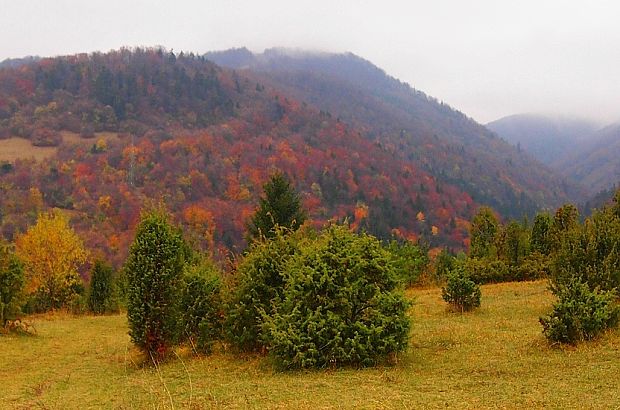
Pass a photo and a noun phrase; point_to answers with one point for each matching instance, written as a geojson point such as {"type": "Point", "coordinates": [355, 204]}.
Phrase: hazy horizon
{"type": "Point", "coordinates": [485, 58]}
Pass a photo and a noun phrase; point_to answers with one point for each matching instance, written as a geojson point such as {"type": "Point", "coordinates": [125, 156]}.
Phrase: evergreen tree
{"type": "Point", "coordinates": [541, 240]}
{"type": "Point", "coordinates": [517, 245]}
{"type": "Point", "coordinates": [100, 296]}
{"type": "Point", "coordinates": [280, 205]}
{"type": "Point", "coordinates": [154, 270]}
{"type": "Point", "coordinates": [484, 228]}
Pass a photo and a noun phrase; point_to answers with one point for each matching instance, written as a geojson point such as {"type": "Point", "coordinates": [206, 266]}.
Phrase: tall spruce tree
{"type": "Point", "coordinates": [280, 205]}
{"type": "Point", "coordinates": [154, 270]}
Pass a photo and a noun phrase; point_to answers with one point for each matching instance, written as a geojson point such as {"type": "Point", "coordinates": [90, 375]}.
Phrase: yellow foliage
{"type": "Point", "coordinates": [51, 252]}
{"type": "Point", "coordinates": [420, 216]}
{"type": "Point", "coordinates": [434, 230]}
{"type": "Point", "coordinates": [36, 198]}
{"type": "Point", "coordinates": [105, 202]}
{"type": "Point", "coordinates": [101, 145]}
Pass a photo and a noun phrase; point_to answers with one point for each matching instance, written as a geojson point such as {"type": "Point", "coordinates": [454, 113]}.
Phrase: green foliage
{"type": "Point", "coordinates": [485, 270]}
{"type": "Point", "coordinates": [443, 265]}
{"type": "Point", "coordinates": [516, 244]}
{"type": "Point", "coordinates": [580, 313]}
{"type": "Point", "coordinates": [101, 295]}
{"type": "Point", "coordinates": [540, 239]}
{"type": "Point", "coordinates": [201, 305]}
{"type": "Point", "coordinates": [484, 228]}
{"type": "Point", "coordinates": [154, 270]}
{"type": "Point", "coordinates": [535, 266]}
{"type": "Point", "coordinates": [591, 252]}
{"type": "Point", "coordinates": [409, 260]}
{"type": "Point", "coordinates": [339, 306]}
{"type": "Point", "coordinates": [280, 206]}
{"type": "Point", "coordinates": [259, 281]}
{"type": "Point", "coordinates": [460, 292]}
{"type": "Point", "coordinates": [565, 220]}
{"type": "Point", "coordinates": [12, 283]}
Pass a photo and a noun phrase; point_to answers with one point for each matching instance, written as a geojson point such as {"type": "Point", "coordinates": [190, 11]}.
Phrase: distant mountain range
{"type": "Point", "coordinates": [581, 150]}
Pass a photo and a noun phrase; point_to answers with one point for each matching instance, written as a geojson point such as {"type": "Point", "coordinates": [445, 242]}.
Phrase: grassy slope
{"type": "Point", "coordinates": [495, 357]}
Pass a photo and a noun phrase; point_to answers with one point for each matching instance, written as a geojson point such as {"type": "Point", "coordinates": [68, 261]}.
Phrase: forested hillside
{"type": "Point", "coordinates": [153, 125]}
{"type": "Point", "coordinates": [419, 129]}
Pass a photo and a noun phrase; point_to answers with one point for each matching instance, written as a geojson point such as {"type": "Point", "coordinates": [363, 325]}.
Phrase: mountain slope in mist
{"type": "Point", "coordinates": [548, 139]}
{"type": "Point", "coordinates": [420, 129]}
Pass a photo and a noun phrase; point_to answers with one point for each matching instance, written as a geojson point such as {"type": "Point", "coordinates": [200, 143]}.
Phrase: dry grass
{"type": "Point", "coordinates": [15, 148]}
{"type": "Point", "coordinates": [491, 358]}
{"type": "Point", "coordinates": [20, 148]}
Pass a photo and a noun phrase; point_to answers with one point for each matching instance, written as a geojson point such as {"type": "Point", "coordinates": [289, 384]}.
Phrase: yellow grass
{"type": "Point", "coordinates": [20, 148]}
{"type": "Point", "coordinates": [495, 357]}
{"type": "Point", "coordinates": [15, 148]}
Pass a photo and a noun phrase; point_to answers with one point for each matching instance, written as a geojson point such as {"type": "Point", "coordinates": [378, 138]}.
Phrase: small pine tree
{"type": "Point", "coordinates": [461, 292]}
{"type": "Point", "coordinates": [280, 206]}
{"type": "Point", "coordinates": [101, 292]}
{"type": "Point", "coordinates": [154, 270]}
{"type": "Point", "coordinates": [580, 313]}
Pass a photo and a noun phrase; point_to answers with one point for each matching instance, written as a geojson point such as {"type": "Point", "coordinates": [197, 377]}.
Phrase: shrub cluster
{"type": "Point", "coordinates": [340, 305]}
{"type": "Point", "coordinates": [460, 292]}
{"type": "Point", "coordinates": [580, 313]}
{"type": "Point", "coordinates": [585, 275]}
{"type": "Point", "coordinates": [259, 283]}
{"type": "Point", "coordinates": [318, 300]}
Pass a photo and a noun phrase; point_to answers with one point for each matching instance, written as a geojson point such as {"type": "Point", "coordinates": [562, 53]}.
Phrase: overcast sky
{"type": "Point", "coordinates": [487, 58]}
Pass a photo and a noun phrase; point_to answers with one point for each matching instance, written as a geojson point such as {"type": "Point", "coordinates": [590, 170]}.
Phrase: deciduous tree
{"type": "Point", "coordinates": [52, 254]}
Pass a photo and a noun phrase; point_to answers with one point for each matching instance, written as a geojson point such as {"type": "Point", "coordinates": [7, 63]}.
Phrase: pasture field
{"type": "Point", "coordinates": [15, 148]}
{"type": "Point", "coordinates": [495, 357]}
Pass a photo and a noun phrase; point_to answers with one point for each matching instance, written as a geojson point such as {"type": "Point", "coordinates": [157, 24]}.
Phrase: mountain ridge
{"type": "Point", "coordinates": [421, 128]}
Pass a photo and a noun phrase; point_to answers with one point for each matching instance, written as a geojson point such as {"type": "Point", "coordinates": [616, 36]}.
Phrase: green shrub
{"type": "Point", "coordinates": [201, 306]}
{"type": "Point", "coordinates": [580, 313]}
{"type": "Point", "coordinates": [591, 252]}
{"type": "Point", "coordinates": [257, 287]}
{"type": "Point", "coordinates": [460, 292]}
{"type": "Point", "coordinates": [484, 270]}
{"type": "Point", "coordinates": [12, 282]}
{"type": "Point", "coordinates": [443, 265]}
{"type": "Point", "coordinates": [101, 294]}
{"type": "Point", "coordinates": [339, 306]}
{"type": "Point", "coordinates": [534, 266]}
{"type": "Point", "coordinates": [409, 260]}
{"type": "Point", "coordinates": [154, 270]}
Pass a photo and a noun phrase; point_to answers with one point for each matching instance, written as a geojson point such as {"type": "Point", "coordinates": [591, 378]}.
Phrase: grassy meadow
{"type": "Point", "coordinates": [14, 148]}
{"type": "Point", "coordinates": [495, 357]}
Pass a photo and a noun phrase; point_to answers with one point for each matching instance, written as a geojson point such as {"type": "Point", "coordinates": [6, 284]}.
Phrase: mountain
{"type": "Point", "coordinates": [417, 128]}
{"type": "Point", "coordinates": [548, 139]}
{"type": "Point", "coordinates": [131, 127]}
{"type": "Point", "coordinates": [594, 162]}
{"type": "Point", "coordinates": [580, 150]}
